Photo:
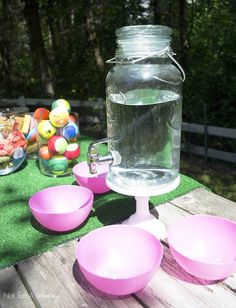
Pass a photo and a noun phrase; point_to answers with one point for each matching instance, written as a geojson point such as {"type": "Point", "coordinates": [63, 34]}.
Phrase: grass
{"type": "Point", "coordinates": [219, 176]}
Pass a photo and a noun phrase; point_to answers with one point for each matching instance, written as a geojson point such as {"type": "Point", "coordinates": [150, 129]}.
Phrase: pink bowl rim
{"type": "Point", "coordinates": [90, 176]}
{"type": "Point", "coordinates": [195, 217]}
{"type": "Point", "coordinates": [89, 202]}
{"type": "Point", "coordinates": [156, 264]}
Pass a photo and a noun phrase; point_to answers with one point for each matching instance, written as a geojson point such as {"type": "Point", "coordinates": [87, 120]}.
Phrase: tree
{"type": "Point", "coordinates": [38, 52]}
{"type": "Point", "coordinates": [92, 37]}
{"type": "Point", "coordinates": [7, 23]}
{"type": "Point", "coordinates": [182, 28]}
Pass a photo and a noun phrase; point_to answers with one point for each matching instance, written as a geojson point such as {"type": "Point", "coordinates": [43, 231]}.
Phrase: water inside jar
{"type": "Point", "coordinates": [144, 126]}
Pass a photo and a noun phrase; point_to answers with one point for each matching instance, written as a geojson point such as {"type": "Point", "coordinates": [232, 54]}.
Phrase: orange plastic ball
{"type": "Point", "coordinates": [44, 153]}
{"type": "Point", "coordinates": [41, 114]}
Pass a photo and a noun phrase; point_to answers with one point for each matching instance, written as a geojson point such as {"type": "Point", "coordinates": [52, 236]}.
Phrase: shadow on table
{"type": "Point", "coordinates": [170, 266]}
{"type": "Point", "coordinates": [112, 207]}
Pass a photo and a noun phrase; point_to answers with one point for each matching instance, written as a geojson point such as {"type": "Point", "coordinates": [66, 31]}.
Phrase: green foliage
{"type": "Point", "coordinates": [205, 46]}
{"type": "Point", "coordinates": [210, 65]}
{"type": "Point", "coordinates": [218, 176]}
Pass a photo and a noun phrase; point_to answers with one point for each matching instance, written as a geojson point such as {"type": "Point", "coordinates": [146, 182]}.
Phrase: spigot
{"type": "Point", "coordinates": [94, 158]}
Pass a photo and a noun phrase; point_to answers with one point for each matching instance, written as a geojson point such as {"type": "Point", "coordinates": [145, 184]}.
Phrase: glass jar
{"type": "Point", "coordinates": [59, 145]}
{"type": "Point", "coordinates": [144, 110]}
{"type": "Point", "coordinates": [13, 143]}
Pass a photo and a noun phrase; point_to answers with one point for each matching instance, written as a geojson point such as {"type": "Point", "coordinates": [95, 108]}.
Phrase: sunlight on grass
{"type": "Point", "coordinates": [218, 176]}
{"type": "Point", "coordinates": [206, 179]}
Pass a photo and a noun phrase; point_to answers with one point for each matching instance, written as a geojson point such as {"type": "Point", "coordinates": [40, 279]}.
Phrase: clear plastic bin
{"type": "Point", "coordinates": [13, 144]}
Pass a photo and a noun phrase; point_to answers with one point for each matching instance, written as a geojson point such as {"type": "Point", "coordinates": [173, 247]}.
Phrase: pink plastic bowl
{"type": "Point", "coordinates": [204, 245]}
{"type": "Point", "coordinates": [61, 208]}
{"type": "Point", "coordinates": [119, 259]}
{"type": "Point", "coordinates": [95, 182]}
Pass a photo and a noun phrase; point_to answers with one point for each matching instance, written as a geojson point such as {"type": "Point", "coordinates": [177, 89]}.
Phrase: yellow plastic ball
{"type": "Point", "coordinates": [59, 117]}
{"type": "Point", "coordinates": [46, 129]}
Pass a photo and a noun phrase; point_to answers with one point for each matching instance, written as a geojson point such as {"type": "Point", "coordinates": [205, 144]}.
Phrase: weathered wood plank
{"type": "Point", "coordinates": [202, 201]}
{"type": "Point", "coordinates": [211, 130]}
{"type": "Point", "coordinates": [173, 287]}
{"type": "Point", "coordinates": [212, 153]}
{"type": "Point", "coordinates": [54, 279]}
{"type": "Point", "coordinates": [169, 214]}
{"type": "Point", "coordinates": [12, 291]}
{"type": "Point", "coordinates": [23, 101]}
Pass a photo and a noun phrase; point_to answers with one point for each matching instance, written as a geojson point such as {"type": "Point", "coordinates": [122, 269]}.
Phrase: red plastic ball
{"type": "Point", "coordinates": [41, 114]}
{"type": "Point", "coordinates": [57, 144]}
{"type": "Point", "coordinates": [72, 151]}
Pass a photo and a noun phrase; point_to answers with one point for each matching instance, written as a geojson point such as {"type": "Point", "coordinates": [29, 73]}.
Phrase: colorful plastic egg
{"type": "Point", "coordinates": [72, 151]}
{"type": "Point", "coordinates": [58, 164]}
{"type": "Point", "coordinates": [46, 129]}
{"type": "Point", "coordinates": [18, 153]}
{"type": "Point", "coordinates": [32, 135]}
{"type": "Point", "coordinates": [61, 103]}
{"type": "Point", "coordinates": [57, 145]}
{"type": "Point", "coordinates": [59, 117]}
{"type": "Point", "coordinates": [70, 131]}
{"type": "Point", "coordinates": [41, 114]}
{"type": "Point", "coordinates": [44, 153]}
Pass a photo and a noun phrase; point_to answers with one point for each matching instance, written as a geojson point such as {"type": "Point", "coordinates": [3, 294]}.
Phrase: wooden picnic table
{"type": "Point", "coordinates": [53, 279]}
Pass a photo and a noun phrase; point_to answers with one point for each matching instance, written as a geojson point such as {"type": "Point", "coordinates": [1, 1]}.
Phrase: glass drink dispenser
{"type": "Point", "coordinates": [144, 111]}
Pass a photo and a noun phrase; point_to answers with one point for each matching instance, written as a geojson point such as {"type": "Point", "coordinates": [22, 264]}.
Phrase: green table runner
{"type": "Point", "coordinates": [22, 237]}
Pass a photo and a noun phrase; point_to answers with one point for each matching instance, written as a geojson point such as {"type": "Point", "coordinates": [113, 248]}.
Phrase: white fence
{"type": "Point", "coordinates": [205, 151]}
{"type": "Point", "coordinates": [22, 101]}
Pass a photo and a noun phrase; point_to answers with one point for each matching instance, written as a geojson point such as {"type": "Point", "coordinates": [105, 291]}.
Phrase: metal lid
{"type": "Point", "coordinates": [142, 40]}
